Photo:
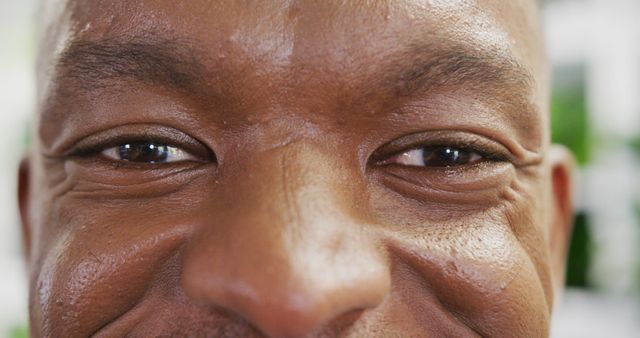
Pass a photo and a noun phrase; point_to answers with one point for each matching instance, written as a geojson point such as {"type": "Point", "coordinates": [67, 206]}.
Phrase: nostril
{"type": "Point", "coordinates": [339, 326]}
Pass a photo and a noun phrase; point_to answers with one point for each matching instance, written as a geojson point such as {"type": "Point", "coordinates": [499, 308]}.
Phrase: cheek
{"type": "Point", "coordinates": [93, 271]}
{"type": "Point", "coordinates": [479, 272]}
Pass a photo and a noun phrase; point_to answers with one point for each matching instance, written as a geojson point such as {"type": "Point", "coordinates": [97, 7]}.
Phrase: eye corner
{"type": "Point", "coordinates": [379, 159]}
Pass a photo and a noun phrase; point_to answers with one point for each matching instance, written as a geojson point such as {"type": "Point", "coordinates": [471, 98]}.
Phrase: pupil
{"type": "Point", "coordinates": [144, 152]}
{"type": "Point", "coordinates": [446, 157]}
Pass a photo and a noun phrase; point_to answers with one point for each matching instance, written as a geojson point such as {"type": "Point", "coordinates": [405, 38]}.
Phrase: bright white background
{"type": "Point", "coordinates": [602, 35]}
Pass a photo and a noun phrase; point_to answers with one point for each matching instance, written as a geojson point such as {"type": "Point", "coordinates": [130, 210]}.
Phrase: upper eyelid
{"type": "Point", "coordinates": [464, 140]}
{"type": "Point", "coordinates": [112, 137]}
{"type": "Point", "coordinates": [132, 131]}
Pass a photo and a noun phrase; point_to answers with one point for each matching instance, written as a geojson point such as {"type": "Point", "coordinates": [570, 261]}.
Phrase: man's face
{"type": "Point", "coordinates": [293, 169]}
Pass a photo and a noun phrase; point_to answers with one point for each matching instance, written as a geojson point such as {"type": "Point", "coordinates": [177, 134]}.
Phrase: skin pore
{"type": "Point", "coordinates": [293, 169]}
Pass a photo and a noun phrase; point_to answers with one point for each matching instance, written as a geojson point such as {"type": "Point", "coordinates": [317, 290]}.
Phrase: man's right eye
{"type": "Point", "coordinates": [148, 152]}
{"type": "Point", "coordinates": [139, 145]}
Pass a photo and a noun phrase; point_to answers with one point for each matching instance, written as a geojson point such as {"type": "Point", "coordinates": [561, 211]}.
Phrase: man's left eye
{"type": "Point", "coordinates": [147, 152]}
{"type": "Point", "coordinates": [438, 156]}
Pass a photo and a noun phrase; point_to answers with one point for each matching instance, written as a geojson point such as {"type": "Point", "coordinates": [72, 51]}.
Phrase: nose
{"type": "Point", "coordinates": [283, 247]}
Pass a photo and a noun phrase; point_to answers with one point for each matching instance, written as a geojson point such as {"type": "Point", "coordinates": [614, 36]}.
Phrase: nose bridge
{"type": "Point", "coordinates": [282, 250]}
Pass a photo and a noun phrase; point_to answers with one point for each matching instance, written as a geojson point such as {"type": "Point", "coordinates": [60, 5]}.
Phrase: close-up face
{"type": "Point", "coordinates": [293, 169]}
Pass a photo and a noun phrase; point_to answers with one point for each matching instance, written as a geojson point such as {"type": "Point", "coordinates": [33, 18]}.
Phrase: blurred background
{"type": "Point", "coordinates": [594, 46]}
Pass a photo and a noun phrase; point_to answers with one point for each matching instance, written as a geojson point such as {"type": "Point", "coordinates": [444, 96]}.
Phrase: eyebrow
{"type": "Point", "coordinates": [168, 62]}
{"type": "Point", "coordinates": [423, 66]}
{"type": "Point", "coordinates": [406, 72]}
{"type": "Point", "coordinates": [420, 66]}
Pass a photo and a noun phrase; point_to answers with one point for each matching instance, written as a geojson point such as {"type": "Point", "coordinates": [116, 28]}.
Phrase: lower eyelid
{"type": "Point", "coordinates": [478, 183]}
{"type": "Point", "coordinates": [98, 180]}
{"type": "Point", "coordinates": [443, 194]}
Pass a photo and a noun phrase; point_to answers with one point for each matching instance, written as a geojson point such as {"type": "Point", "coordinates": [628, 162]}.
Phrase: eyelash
{"type": "Point", "coordinates": [420, 155]}
{"type": "Point", "coordinates": [107, 150]}
{"type": "Point", "coordinates": [487, 150]}
{"type": "Point", "coordinates": [479, 149]}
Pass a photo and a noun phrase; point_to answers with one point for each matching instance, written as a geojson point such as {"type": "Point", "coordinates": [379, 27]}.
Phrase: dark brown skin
{"type": "Point", "coordinates": [313, 189]}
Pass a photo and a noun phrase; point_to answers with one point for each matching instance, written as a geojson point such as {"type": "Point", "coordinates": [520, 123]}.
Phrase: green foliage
{"type": "Point", "coordinates": [580, 253]}
{"type": "Point", "coordinates": [635, 144]}
{"type": "Point", "coordinates": [570, 127]}
{"type": "Point", "coordinates": [569, 121]}
{"type": "Point", "coordinates": [19, 332]}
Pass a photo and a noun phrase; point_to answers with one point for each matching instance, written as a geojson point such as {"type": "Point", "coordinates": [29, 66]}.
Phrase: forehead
{"type": "Point", "coordinates": [282, 31]}
{"type": "Point", "coordinates": [322, 51]}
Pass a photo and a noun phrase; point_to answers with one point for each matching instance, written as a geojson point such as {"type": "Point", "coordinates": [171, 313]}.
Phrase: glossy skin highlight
{"type": "Point", "coordinates": [291, 215]}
